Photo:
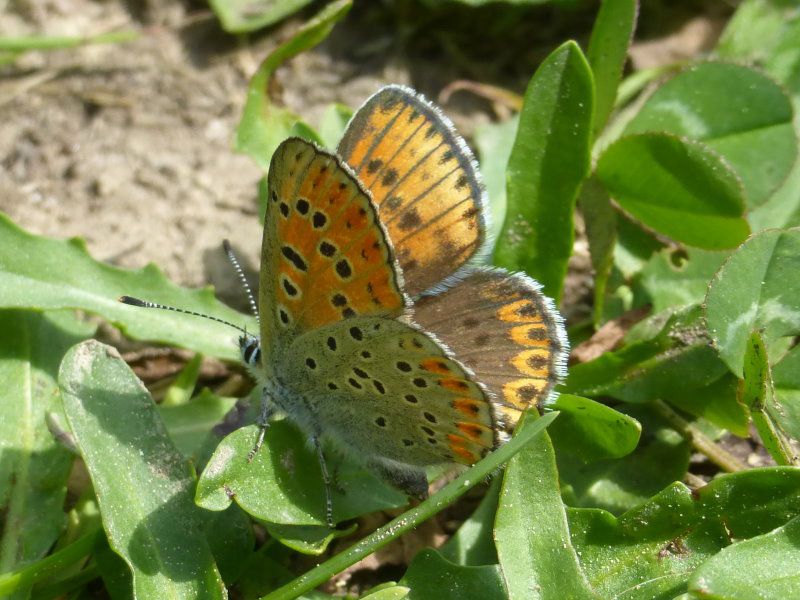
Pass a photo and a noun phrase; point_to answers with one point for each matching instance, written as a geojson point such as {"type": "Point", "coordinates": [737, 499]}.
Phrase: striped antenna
{"type": "Point", "coordinates": [147, 304]}
{"type": "Point", "coordinates": [238, 268]}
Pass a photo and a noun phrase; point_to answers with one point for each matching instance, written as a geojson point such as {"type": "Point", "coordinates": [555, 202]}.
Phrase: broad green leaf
{"type": "Point", "coordinates": [625, 564]}
{"type": "Point", "coordinates": [600, 220]}
{"type": "Point", "coordinates": [782, 210]}
{"type": "Point", "coordinates": [675, 359]}
{"type": "Point", "coordinates": [432, 576]}
{"type": "Point", "coordinates": [246, 15]}
{"type": "Point", "coordinates": [608, 50]}
{"type": "Point", "coordinates": [759, 396]}
{"type": "Point", "coordinates": [548, 163]}
{"type": "Point", "coordinates": [493, 142]}
{"type": "Point", "coordinates": [765, 32]}
{"type": "Point", "coordinates": [786, 377]}
{"type": "Point", "coordinates": [263, 125]}
{"type": "Point", "coordinates": [230, 537]}
{"type": "Point", "coordinates": [34, 467]}
{"type": "Point", "coordinates": [617, 485]}
{"type": "Point", "coordinates": [678, 187]}
{"type": "Point", "coordinates": [144, 486]}
{"type": "Point", "coordinates": [283, 484]}
{"type": "Point", "coordinates": [42, 273]}
{"type": "Point", "coordinates": [716, 402]}
{"type": "Point", "coordinates": [738, 112]}
{"type": "Point", "coordinates": [592, 431]}
{"type": "Point", "coordinates": [473, 545]}
{"type": "Point", "coordinates": [765, 567]}
{"type": "Point", "coordinates": [531, 532]}
{"type": "Point", "coordinates": [677, 279]}
{"type": "Point", "coordinates": [190, 424]}
{"type": "Point", "coordinates": [753, 502]}
{"type": "Point", "coordinates": [756, 288]}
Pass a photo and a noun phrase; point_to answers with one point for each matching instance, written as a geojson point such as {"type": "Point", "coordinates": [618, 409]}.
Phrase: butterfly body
{"type": "Point", "coordinates": [375, 337]}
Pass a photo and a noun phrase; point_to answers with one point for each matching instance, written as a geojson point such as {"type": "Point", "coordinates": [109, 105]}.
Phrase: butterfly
{"type": "Point", "coordinates": [376, 335]}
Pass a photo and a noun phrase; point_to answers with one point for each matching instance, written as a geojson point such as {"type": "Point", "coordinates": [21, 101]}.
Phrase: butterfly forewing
{"type": "Point", "coordinates": [503, 328]}
{"type": "Point", "coordinates": [424, 180]}
{"type": "Point", "coordinates": [325, 256]}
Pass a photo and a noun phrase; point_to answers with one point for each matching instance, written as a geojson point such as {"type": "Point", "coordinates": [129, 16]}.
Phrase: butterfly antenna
{"type": "Point", "coordinates": [147, 304]}
{"type": "Point", "coordinates": [238, 268]}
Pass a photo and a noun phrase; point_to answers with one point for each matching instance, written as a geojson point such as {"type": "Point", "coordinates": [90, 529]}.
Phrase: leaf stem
{"type": "Point", "coordinates": [37, 42]}
{"type": "Point", "coordinates": [411, 518]}
{"type": "Point", "coordinates": [700, 441]}
{"type": "Point", "coordinates": [26, 576]}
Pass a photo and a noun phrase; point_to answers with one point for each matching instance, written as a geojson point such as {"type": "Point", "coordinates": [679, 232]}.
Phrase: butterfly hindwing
{"type": "Point", "coordinates": [501, 326]}
{"type": "Point", "coordinates": [325, 256]}
{"type": "Point", "coordinates": [424, 180]}
{"type": "Point", "coordinates": [384, 387]}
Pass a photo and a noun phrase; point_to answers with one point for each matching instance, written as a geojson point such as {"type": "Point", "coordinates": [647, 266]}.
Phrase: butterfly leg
{"type": "Point", "coordinates": [327, 481]}
{"type": "Point", "coordinates": [410, 480]}
{"type": "Point", "coordinates": [267, 410]}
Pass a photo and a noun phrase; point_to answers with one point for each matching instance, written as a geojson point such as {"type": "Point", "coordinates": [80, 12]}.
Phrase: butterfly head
{"type": "Point", "coordinates": [250, 347]}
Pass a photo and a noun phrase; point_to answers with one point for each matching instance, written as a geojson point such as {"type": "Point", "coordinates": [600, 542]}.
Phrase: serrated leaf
{"type": "Point", "coordinates": [41, 273]}
{"type": "Point", "coordinates": [735, 110]}
{"type": "Point", "coordinates": [34, 467]}
{"type": "Point", "coordinates": [143, 485]}
{"type": "Point", "coordinates": [678, 187]}
{"type": "Point", "coordinates": [263, 125]}
{"type": "Point", "coordinates": [548, 163]}
{"type": "Point", "coordinates": [531, 532]}
{"type": "Point", "coordinates": [756, 288]}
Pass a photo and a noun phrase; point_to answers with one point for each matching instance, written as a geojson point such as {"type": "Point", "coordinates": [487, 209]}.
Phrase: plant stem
{"type": "Point", "coordinates": [410, 519]}
{"type": "Point", "coordinates": [62, 587]}
{"type": "Point", "coordinates": [26, 576]}
{"type": "Point", "coordinates": [723, 459]}
{"type": "Point", "coordinates": [37, 42]}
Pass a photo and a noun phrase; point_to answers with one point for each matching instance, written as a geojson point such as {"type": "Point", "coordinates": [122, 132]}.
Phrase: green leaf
{"type": "Point", "coordinates": [786, 378]}
{"type": "Point", "coordinates": [473, 545]}
{"type": "Point", "coordinates": [190, 424]}
{"type": "Point", "coordinates": [608, 50]}
{"type": "Point", "coordinates": [531, 532]}
{"type": "Point", "coordinates": [593, 431]}
{"type": "Point", "coordinates": [493, 142]}
{"type": "Point", "coordinates": [246, 15]}
{"type": "Point", "coordinates": [678, 187]}
{"type": "Point", "coordinates": [144, 487]}
{"type": "Point", "coordinates": [431, 576]}
{"type": "Point", "coordinates": [230, 537]}
{"type": "Point", "coordinates": [757, 288]}
{"type": "Point", "coordinates": [41, 273]}
{"type": "Point", "coordinates": [548, 163]}
{"type": "Point", "coordinates": [765, 33]}
{"type": "Point", "coordinates": [753, 502]}
{"type": "Point", "coordinates": [283, 484]}
{"type": "Point", "coordinates": [392, 592]}
{"type": "Point", "coordinates": [617, 485]}
{"type": "Point", "coordinates": [716, 402]}
{"type": "Point", "coordinates": [307, 539]}
{"type": "Point", "coordinates": [601, 230]}
{"type": "Point", "coordinates": [34, 467]}
{"type": "Point", "coordinates": [263, 125]}
{"type": "Point", "coordinates": [738, 112]}
{"type": "Point", "coordinates": [334, 122]}
{"type": "Point", "coordinates": [181, 389]}
{"type": "Point", "coordinates": [782, 210]}
{"type": "Point", "coordinates": [677, 359]}
{"type": "Point", "coordinates": [678, 279]}
{"type": "Point", "coordinates": [758, 396]}
{"type": "Point", "coordinates": [765, 567]}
